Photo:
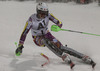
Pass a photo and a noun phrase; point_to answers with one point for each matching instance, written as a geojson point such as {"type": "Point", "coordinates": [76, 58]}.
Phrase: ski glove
{"type": "Point", "coordinates": [60, 25]}
{"type": "Point", "coordinates": [19, 50]}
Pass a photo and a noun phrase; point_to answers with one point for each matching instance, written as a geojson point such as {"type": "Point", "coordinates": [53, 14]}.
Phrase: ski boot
{"type": "Point", "coordinates": [87, 59]}
{"type": "Point", "coordinates": [67, 59]}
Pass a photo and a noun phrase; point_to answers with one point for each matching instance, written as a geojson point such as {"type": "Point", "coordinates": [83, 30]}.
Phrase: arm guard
{"type": "Point", "coordinates": [55, 20]}
{"type": "Point", "coordinates": [25, 31]}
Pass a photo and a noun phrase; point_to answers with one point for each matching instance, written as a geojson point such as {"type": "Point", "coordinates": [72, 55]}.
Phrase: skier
{"type": "Point", "coordinates": [38, 24]}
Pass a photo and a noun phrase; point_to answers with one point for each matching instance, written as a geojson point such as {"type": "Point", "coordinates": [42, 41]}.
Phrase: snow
{"type": "Point", "coordinates": [85, 18]}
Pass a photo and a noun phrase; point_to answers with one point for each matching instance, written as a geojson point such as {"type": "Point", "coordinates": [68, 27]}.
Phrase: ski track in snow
{"type": "Point", "coordinates": [85, 18]}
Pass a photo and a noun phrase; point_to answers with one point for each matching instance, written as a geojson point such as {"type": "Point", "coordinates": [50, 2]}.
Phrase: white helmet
{"type": "Point", "coordinates": [42, 8]}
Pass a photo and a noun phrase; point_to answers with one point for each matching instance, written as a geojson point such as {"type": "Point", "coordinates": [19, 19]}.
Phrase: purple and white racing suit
{"type": "Point", "coordinates": [39, 30]}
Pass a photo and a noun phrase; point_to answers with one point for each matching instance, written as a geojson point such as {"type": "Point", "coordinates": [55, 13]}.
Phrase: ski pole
{"type": "Point", "coordinates": [56, 29]}
{"type": "Point", "coordinates": [16, 44]}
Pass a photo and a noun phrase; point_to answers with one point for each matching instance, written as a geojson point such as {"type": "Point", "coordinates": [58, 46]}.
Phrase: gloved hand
{"type": "Point", "coordinates": [55, 28]}
{"type": "Point", "coordinates": [19, 50]}
{"type": "Point", "coordinates": [60, 25]}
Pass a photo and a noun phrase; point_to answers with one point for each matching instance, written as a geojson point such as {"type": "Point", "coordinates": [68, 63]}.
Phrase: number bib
{"type": "Point", "coordinates": [39, 27]}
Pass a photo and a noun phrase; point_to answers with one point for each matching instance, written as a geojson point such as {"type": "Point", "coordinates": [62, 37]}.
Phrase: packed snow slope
{"type": "Point", "coordinates": [13, 16]}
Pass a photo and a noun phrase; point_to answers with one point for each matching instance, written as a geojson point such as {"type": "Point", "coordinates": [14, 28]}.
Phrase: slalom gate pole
{"type": "Point", "coordinates": [45, 58]}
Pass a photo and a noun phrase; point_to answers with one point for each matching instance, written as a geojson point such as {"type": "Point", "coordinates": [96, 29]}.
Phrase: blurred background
{"type": "Point", "coordinates": [62, 1]}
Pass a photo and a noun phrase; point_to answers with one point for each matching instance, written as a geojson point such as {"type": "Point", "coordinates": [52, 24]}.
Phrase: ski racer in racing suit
{"type": "Point", "coordinates": [38, 24]}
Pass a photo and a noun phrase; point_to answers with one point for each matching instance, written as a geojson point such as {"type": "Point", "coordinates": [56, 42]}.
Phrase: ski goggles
{"type": "Point", "coordinates": [43, 13]}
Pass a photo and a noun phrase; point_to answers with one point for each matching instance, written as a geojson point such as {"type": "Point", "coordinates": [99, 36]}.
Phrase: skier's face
{"type": "Point", "coordinates": [42, 14]}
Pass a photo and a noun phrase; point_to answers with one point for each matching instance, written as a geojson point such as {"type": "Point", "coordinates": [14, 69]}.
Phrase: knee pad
{"type": "Point", "coordinates": [57, 43]}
